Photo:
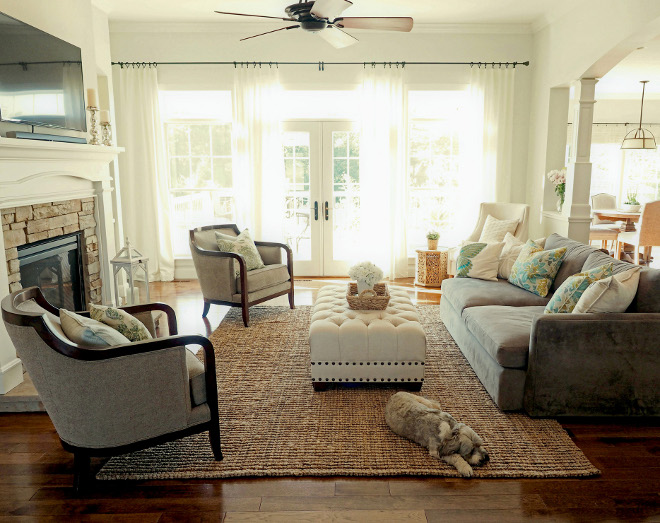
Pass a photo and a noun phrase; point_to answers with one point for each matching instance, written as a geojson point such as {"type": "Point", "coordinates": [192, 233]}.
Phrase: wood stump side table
{"type": "Point", "coordinates": [431, 267]}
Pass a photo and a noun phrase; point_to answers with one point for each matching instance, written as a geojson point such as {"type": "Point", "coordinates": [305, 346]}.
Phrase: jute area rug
{"type": "Point", "coordinates": [274, 424]}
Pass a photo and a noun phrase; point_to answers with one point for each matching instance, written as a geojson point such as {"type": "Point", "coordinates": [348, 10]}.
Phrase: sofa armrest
{"type": "Point", "coordinates": [593, 364]}
{"type": "Point", "coordinates": [148, 308]}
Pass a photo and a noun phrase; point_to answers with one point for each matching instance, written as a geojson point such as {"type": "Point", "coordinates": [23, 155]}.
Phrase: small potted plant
{"type": "Point", "coordinates": [366, 274]}
{"type": "Point", "coordinates": [631, 204]}
{"type": "Point", "coordinates": [432, 239]}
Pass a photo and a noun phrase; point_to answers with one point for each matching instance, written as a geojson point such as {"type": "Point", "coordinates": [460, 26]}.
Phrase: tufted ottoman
{"type": "Point", "coordinates": [365, 346]}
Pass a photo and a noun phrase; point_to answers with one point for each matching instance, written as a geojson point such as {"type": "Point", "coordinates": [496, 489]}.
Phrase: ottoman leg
{"type": "Point", "coordinates": [319, 387]}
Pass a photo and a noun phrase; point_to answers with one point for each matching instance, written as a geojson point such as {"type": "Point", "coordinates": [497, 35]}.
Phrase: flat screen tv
{"type": "Point", "coordinates": [41, 81]}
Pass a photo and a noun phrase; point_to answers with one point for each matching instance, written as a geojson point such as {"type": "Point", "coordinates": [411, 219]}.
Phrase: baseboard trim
{"type": "Point", "coordinates": [11, 375]}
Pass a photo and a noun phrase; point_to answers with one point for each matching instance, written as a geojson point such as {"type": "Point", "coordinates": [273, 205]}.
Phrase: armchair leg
{"type": "Point", "coordinates": [80, 471]}
{"type": "Point", "coordinates": [291, 298]}
{"type": "Point", "coordinates": [246, 315]}
{"type": "Point", "coordinates": [214, 437]}
{"type": "Point", "coordinates": [207, 306]}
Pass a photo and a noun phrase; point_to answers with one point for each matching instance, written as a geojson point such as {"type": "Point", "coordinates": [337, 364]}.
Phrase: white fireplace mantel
{"type": "Point", "coordinates": [34, 172]}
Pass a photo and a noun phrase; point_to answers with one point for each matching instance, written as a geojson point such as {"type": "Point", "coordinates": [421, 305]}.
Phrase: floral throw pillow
{"type": "Point", "coordinates": [121, 321]}
{"type": "Point", "coordinates": [569, 293]}
{"type": "Point", "coordinates": [535, 269]}
{"type": "Point", "coordinates": [243, 245]}
{"type": "Point", "coordinates": [479, 260]}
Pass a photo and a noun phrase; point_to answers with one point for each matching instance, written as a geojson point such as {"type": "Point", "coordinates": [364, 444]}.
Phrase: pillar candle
{"type": "Point", "coordinates": [105, 116]}
{"type": "Point", "coordinates": [91, 98]}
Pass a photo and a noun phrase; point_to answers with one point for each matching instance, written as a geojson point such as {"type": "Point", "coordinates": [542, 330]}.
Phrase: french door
{"type": "Point", "coordinates": [322, 215]}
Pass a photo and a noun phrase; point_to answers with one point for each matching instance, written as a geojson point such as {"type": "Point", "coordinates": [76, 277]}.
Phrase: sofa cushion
{"type": "Point", "coordinates": [535, 269]}
{"type": "Point", "coordinates": [243, 245]}
{"type": "Point", "coordinates": [574, 260]}
{"type": "Point", "coordinates": [570, 292]}
{"type": "Point", "coordinates": [503, 331]}
{"type": "Point", "coordinates": [121, 321]}
{"type": "Point", "coordinates": [598, 258]}
{"type": "Point", "coordinates": [467, 292]}
{"type": "Point", "coordinates": [197, 378]}
{"type": "Point", "coordinates": [648, 292]}
{"type": "Point", "coordinates": [88, 332]}
{"type": "Point", "coordinates": [267, 277]}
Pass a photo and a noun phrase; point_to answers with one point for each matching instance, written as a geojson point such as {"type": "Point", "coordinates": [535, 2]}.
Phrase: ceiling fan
{"type": "Point", "coordinates": [323, 17]}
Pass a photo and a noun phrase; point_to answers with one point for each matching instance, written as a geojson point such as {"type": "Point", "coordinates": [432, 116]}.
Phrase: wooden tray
{"type": "Point", "coordinates": [368, 302]}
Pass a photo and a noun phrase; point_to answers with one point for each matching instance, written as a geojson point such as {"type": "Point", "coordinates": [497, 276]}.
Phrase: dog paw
{"type": "Point", "coordinates": [466, 472]}
{"type": "Point", "coordinates": [434, 453]}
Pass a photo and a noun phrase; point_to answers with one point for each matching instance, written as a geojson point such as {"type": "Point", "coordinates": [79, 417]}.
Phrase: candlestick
{"type": "Point", "coordinates": [106, 134]}
{"type": "Point", "coordinates": [92, 101]}
{"type": "Point", "coordinates": [93, 129]}
{"type": "Point", "coordinates": [105, 117]}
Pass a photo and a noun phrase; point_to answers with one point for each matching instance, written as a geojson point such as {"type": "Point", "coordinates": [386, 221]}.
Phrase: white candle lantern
{"type": "Point", "coordinates": [131, 260]}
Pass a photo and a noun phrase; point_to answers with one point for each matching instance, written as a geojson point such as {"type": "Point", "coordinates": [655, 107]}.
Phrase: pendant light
{"type": "Point", "coordinates": [639, 138]}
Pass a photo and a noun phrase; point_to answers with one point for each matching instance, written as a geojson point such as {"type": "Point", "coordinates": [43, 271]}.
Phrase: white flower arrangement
{"type": "Point", "coordinates": [366, 272]}
{"type": "Point", "coordinates": [557, 176]}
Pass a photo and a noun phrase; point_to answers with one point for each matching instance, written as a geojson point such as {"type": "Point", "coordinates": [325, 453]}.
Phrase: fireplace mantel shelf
{"type": "Point", "coordinates": [26, 150]}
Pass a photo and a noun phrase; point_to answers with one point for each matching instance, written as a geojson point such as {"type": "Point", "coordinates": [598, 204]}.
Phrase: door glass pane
{"type": "Point", "coordinates": [297, 214]}
{"type": "Point", "coordinates": [346, 194]}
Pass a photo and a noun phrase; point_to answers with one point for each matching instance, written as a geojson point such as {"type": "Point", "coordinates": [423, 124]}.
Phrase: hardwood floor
{"type": "Point", "coordinates": [35, 472]}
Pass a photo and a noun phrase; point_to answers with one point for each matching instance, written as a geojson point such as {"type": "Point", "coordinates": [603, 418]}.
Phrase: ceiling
{"type": "Point", "coordinates": [623, 79]}
{"type": "Point", "coordinates": [423, 11]}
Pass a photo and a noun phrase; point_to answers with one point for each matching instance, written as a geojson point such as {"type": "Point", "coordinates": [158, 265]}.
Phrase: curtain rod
{"type": "Point", "coordinates": [618, 123]}
{"type": "Point", "coordinates": [321, 65]}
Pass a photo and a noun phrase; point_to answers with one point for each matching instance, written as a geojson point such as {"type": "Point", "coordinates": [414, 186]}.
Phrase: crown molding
{"type": "Point", "coordinates": [103, 5]}
{"type": "Point", "coordinates": [117, 27]}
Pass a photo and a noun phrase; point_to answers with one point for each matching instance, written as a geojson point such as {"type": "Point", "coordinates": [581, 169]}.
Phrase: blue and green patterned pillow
{"type": "Point", "coordinates": [535, 269]}
{"type": "Point", "coordinates": [121, 321]}
{"type": "Point", "coordinates": [479, 260]}
{"type": "Point", "coordinates": [243, 245]}
{"type": "Point", "coordinates": [569, 293]}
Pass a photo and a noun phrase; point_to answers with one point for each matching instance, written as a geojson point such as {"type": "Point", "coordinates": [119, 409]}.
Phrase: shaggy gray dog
{"type": "Point", "coordinates": [422, 421]}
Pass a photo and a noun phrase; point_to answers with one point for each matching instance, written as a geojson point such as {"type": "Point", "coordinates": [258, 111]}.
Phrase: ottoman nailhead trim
{"type": "Point", "coordinates": [368, 363]}
{"type": "Point", "coordinates": [326, 362]}
{"type": "Point", "coordinates": [333, 379]}
{"type": "Point", "coordinates": [394, 379]}
{"type": "Point", "coordinates": [389, 363]}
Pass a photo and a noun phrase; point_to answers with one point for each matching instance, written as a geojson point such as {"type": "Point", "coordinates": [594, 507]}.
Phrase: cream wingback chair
{"type": "Point", "coordinates": [217, 278]}
{"type": "Point", "coordinates": [647, 234]}
{"type": "Point", "coordinates": [501, 211]}
{"type": "Point", "coordinates": [114, 400]}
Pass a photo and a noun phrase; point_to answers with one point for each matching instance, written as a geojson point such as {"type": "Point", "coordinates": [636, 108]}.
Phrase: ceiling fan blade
{"type": "Point", "coordinates": [383, 23]}
{"type": "Point", "coordinates": [257, 16]}
{"type": "Point", "coordinates": [337, 38]}
{"type": "Point", "coordinates": [273, 31]}
{"type": "Point", "coordinates": [329, 9]}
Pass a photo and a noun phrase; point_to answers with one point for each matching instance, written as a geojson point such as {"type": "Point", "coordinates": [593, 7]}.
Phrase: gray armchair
{"type": "Point", "coordinates": [113, 400]}
{"type": "Point", "coordinates": [217, 278]}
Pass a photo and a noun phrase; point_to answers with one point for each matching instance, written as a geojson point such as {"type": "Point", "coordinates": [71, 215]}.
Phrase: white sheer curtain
{"type": "Point", "coordinates": [143, 172]}
{"type": "Point", "coordinates": [383, 194]}
{"type": "Point", "coordinates": [258, 168]}
{"type": "Point", "coordinates": [74, 109]}
{"type": "Point", "coordinates": [492, 92]}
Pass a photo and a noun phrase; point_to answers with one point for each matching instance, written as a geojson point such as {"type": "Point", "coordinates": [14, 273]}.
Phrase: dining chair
{"type": "Point", "coordinates": [603, 230]}
{"type": "Point", "coordinates": [647, 234]}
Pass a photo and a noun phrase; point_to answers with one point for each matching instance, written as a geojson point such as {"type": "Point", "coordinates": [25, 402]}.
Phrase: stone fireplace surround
{"type": "Point", "coordinates": [44, 183]}
{"type": "Point", "coordinates": [31, 223]}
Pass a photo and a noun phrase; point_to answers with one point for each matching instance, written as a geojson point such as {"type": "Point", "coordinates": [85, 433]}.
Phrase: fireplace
{"type": "Point", "coordinates": [55, 266]}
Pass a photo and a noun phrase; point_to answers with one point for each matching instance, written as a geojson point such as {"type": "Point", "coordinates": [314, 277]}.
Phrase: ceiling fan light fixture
{"type": "Point", "coordinates": [640, 138]}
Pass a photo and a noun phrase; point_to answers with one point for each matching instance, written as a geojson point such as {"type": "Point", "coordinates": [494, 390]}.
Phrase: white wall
{"type": "Point", "coordinates": [586, 42]}
{"type": "Point", "coordinates": [217, 42]}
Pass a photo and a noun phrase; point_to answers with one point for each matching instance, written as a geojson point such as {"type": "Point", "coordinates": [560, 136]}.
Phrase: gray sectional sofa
{"type": "Point", "coordinates": [559, 364]}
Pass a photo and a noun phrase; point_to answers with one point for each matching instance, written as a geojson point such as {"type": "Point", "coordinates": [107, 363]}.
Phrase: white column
{"type": "Point", "coordinates": [11, 368]}
{"type": "Point", "coordinates": [577, 207]}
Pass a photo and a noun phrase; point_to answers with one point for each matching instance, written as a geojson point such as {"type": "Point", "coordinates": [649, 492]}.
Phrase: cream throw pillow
{"type": "Point", "coordinates": [495, 230]}
{"type": "Point", "coordinates": [121, 321]}
{"type": "Point", "coordinates": [510, 253]}
{"type": "Point", "coordinates": [613, 294]}
{"type": "Point", "coordinates": [243, 245]}
{"type": "Point", "coordinates": [88, 332]}
{"type": "Point", "coordinates": [479, 260]}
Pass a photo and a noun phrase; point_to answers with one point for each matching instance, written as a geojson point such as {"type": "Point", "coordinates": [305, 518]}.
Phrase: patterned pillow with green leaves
{"type": "Point", "coordinates": [569, 293]}
{"type": "Point", "coordinates": [479, 260]}
{"type": "Point", "coordinates": [243, 245]}
{"type": "Point", "coordinates": [121, 321]}
{"type": "Point", "coordinates": [535, 269]}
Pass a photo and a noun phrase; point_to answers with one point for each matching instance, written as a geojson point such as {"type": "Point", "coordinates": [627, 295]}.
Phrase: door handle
{"type": "Point", "coordinates": [316, 211]}
{"type": "Point", "coordinates": [326, 211]}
